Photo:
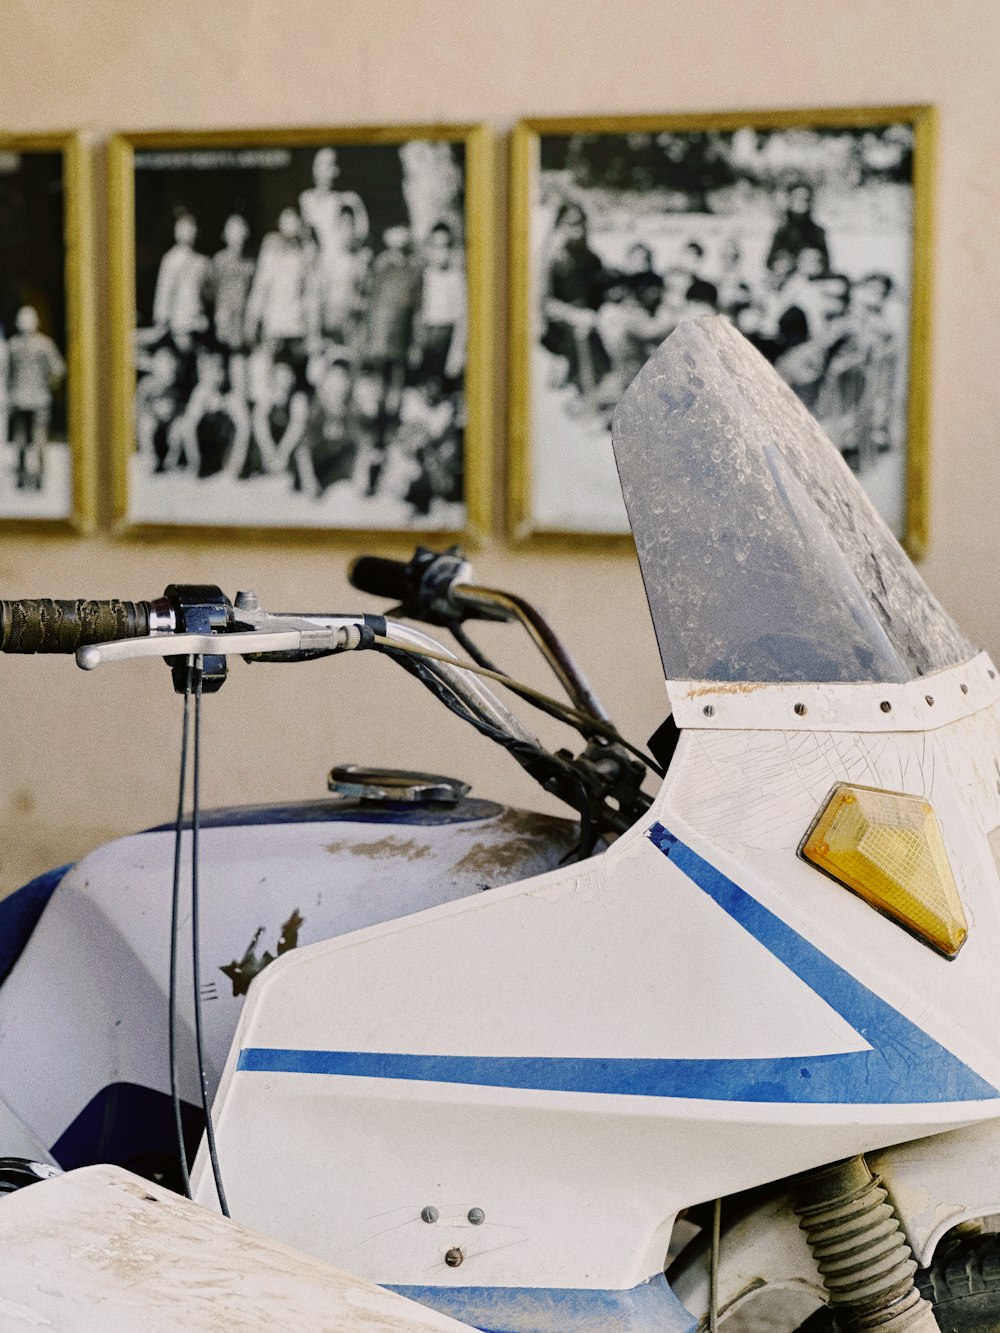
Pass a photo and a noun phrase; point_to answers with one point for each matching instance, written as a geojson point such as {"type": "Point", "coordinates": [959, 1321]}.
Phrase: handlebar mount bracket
{"type": "Point", "coordinates": [201, 608]}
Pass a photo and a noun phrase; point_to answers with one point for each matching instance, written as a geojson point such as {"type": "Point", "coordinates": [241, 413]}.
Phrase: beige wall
{"type": "Point", "coordinates": [83, 757]}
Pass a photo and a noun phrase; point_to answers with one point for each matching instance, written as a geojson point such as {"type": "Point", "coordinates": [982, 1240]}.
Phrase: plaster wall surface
{"type": "Point", "coordinates": [84, 757]}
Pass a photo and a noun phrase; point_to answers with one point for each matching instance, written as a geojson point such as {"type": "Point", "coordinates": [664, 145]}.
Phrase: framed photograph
{"type": "Point", "coordinates": [810, 230]}
{"type": "Point", "coordinates": [302, 323]}
{"type": "Point", "coordinates": [46, 393]}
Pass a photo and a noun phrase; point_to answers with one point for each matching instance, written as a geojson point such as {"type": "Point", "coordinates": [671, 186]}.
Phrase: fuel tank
{"type": "Point", "coordinates": [83, 1010]}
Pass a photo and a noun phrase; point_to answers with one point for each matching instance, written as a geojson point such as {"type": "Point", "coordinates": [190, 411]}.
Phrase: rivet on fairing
{"type": "Point", "coordinates": [429, 1214]}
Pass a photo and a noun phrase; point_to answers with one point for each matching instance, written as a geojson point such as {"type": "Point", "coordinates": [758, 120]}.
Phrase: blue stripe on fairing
{"type": "Point", "coordinates": [904, 1065]}
{"type": "Point", "coordinates": [652, 1306]}
{"type": "Point", "coordinates": [335, 812]}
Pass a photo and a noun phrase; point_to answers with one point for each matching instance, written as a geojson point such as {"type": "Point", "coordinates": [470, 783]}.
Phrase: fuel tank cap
{"type": "Point", "coordinates": [395, 784]}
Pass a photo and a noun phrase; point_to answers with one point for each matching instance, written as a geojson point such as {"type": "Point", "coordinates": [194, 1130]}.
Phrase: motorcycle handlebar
{"type": "Point", "coordinates": [423, 586]}
{"type": "Point", "coordinates": [381, 577]}
{"type": "Point", "coordinates": [41, 625]}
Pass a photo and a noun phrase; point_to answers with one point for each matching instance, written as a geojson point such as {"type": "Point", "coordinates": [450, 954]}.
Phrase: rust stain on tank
{"type": "Point", "coordinates": [489, 859]}
{"type": "Point", "coordinates": [727, 687]}
{"type": "Point", "coordinates": [389, 846]}
{"type": "Point", "coordinates": [532, 825]}
{"type": "Point", "coordinates": [523, 835]}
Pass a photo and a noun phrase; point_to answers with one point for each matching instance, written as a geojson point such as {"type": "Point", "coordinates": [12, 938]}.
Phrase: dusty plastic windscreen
{"type": "Point", "coordinates": [763, 558]}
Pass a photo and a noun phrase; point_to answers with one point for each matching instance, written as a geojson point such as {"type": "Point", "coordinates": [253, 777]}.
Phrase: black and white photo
{"type": "Point", "coordinates": [803, 234]}
{"type": "Point", "coordinates": [43, 426]}
{"type": "Point", "coordinates": [304, 332]}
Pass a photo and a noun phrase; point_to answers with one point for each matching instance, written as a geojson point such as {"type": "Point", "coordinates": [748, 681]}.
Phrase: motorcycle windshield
{"type": "Point", "coordinates": [763, 558]}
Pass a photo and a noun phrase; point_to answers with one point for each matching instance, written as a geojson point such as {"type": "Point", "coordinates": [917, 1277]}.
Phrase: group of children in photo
{"type": "Point", "coordinates": [328, 360]}
{"type": "Point", "coordinates": [834, 340]}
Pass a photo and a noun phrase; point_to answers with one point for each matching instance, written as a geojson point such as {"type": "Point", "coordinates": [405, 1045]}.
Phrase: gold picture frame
{"type": "Point", "coordinates": [650, 183]}
{"type": "Point", "coordinates": [413, 364]}
{"type": "Point", "coordinates": [47, 481]}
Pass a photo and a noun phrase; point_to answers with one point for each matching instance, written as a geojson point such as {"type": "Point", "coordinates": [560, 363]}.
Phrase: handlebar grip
{"type": "Point", "coordinates": [44, 626]}
{"type": "Point", "coordinates": [381, 577]}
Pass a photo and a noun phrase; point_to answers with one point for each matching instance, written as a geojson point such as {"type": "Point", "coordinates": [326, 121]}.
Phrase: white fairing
{"type": "Point", "coordinates": [101, 1251]}
{"type": "Point", "coordinates": [105, 935]}
{"type": "Point", "coordinates": [584, 1053]}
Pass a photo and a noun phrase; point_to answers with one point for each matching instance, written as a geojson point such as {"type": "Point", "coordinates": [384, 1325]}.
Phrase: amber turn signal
{"type": "Point", "coordinates": [887, 848]}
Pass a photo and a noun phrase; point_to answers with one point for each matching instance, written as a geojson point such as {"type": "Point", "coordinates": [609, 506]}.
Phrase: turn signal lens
{"type": "Point", "coordinates": [887, 848]}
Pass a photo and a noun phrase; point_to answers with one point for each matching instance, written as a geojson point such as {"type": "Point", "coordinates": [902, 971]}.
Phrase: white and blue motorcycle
{"type": "Point", "coordinates": [726, 1056]}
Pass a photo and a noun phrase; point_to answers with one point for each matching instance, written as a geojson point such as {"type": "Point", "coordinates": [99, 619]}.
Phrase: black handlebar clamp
{"type": "Point", "coordinates": [421, 586]}
{"type": "Point", "coordinates": [201, 608]}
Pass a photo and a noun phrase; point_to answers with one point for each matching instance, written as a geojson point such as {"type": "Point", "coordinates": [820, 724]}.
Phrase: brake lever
{"type": "Point", "coordinates": [249, 644]}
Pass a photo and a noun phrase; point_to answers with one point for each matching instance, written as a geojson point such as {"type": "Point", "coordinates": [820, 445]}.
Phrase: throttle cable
{"type": "Point", "coordinates": [582, 722]}
{"type": "Point", "coordinates": [195, 943]}
{"type": "Point", "coordinates": [175, 896]}
{"type": "Point", "coordinates": [192, 686]}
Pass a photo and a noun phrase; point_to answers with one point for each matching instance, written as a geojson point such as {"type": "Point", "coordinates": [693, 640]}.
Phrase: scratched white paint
{"type": "Point", "coordinates": [746, 799]}
{"type": "Point", "coordinates": [621, 957]}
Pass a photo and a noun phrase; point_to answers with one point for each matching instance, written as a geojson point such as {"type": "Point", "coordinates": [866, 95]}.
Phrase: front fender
{"type": "Point", "coordinates": [938, 1182]}
{"type": "Point", "coordinates": [766, 1271]}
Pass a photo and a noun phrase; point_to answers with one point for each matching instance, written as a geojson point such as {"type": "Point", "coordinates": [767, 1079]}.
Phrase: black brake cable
{"type": "Point", "coordinates": [196, 942]}
{"type": "Point", "coordinates": [582, 722]}
{"type": "Point", "coordinates": [528, 756]}
{"type": "Point", "coordinates": [175, 896]}
{"type": "Point", "coordinates": [471, 648]}
{"type": "Point", "coordinates": [588, 834]}
{"type": "Point", "coordinates": [543, 702]}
